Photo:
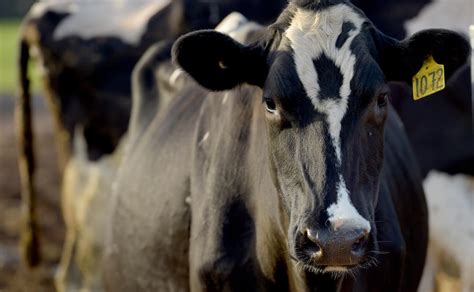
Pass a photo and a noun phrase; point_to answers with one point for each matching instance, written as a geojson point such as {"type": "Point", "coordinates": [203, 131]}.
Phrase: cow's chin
{"type": "Point", "coordinates": [335, 271]}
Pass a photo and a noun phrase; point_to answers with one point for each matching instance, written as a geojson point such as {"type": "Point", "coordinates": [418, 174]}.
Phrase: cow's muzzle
{"type": "Point", "coordinates": [332, 251]}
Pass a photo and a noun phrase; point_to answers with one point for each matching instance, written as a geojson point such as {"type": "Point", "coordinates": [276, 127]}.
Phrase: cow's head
{"type": "Point", "coordinates": [323, 69]}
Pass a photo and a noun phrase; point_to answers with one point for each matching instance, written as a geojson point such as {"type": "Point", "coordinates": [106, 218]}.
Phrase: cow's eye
{"type": "Point", "coordinates": [382, 100]}
{"type": "Point", "coordinates": [270, 105]}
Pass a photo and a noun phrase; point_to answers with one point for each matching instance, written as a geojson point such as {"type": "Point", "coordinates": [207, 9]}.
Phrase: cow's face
{"type": "Point", "coordinates": [323, 70]}
{"type": "Point", "coordinates": [325, 99]}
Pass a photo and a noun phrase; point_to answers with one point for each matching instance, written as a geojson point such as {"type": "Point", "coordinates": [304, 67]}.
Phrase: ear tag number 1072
{"type": "Point", "coordinates": [429, 79]}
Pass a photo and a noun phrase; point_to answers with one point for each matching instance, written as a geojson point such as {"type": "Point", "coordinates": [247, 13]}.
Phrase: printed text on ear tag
{"type": "Point", "coordinates": [429, 79]}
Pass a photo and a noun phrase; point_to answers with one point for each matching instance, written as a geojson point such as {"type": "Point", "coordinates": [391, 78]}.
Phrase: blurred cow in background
{"type": "Point", "coordinates": [87, 51]}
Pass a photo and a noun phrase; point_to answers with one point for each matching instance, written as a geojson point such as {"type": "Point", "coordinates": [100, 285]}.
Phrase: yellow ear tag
{"type": "Point", "coordinates": [429, 79]}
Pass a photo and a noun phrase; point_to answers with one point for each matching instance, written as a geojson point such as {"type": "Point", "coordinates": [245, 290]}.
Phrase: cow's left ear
{"type": "Point", "coordinates": [400, 61]}
{"type": "Point", "coordinates": [218, 62]}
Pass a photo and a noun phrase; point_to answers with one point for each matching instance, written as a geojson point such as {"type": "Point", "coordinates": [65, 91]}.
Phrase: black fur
{"type": "Point", "coordinates": [346, 28]}
{"type": "Point", "coordinates": [329, 77]}
{"type": "Point", "coordinates": [222, 62]}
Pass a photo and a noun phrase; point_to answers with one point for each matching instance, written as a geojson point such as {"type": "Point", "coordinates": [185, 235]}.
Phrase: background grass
{"type": "Point", "coordinates": [8, 58]}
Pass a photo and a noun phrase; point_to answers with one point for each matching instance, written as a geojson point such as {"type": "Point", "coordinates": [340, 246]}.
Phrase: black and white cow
{"type": "Point", "coordinates": [86, 60]}
{"type": "Point", "coordinates": [295, 176]}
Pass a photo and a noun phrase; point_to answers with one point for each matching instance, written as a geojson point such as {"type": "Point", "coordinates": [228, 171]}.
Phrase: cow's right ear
{"type": "Point", "coordinates": [218, 62]}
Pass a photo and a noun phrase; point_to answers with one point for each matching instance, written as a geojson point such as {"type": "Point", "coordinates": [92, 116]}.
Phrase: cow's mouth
{"type": "Point", "coordinates": [336, 271]}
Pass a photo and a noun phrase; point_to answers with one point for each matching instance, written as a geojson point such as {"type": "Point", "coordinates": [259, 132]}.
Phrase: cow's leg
{"type": "Point", "coordinates": [68, 272]}
{"type": "Point", "coordinates": [429, 273]}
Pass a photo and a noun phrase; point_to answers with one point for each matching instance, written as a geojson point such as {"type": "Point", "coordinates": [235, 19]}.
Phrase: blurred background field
{"type": "Point", "coordinates": [8, 32]}
{"type": "Point", "coordinates": [9, 29]}
{"type": "Point", "coordinates": [13, 277]}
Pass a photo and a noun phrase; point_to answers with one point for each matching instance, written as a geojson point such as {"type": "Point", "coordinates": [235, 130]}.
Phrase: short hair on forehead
{"type": "Point", "coordinates": [324, 59]}
{"type": "Point", "coordinates": [316, 4]}
{"type": "Point", "coordinates": [316, 34]}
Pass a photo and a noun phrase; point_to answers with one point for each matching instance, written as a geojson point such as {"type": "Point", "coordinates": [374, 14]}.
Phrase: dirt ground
{"type": "Point", "coordinates": [13, 275]}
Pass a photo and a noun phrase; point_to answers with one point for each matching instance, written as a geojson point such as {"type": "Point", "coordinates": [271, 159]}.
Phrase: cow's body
{"type": "Point", "coordinates": [218, 207]}
{"type": "Point", "coordinates": [200, 209]}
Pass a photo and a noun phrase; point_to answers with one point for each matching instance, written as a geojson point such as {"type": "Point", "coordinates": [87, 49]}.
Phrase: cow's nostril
{"type": "Point", "coordinates": [346, 247]}
{"type": "Point", "coordinates": [313, 243]}
{"type": "Point", "coordinates": [360, 243]}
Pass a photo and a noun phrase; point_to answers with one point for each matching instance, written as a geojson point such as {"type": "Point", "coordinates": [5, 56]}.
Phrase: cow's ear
{"type": "Point", "coordinates": [400, 61]}
{"type": "Point", "coordinates": [218, 62]}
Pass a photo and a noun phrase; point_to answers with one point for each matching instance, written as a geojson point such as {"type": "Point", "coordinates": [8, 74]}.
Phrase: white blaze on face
{"type": "Point", "coordinates": [343, 213]}
{"type": "Point", "coordinates": [311, 35]}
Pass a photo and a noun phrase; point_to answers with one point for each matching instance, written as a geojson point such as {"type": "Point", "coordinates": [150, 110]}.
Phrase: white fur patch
{"type": "Point", "coordinates": [236, 26]}
{"type": "Point", "coordinates": [226, 96]}
{"type": "Point", "coordinates": [188, 200]}
{"type": "Point", "coordinates": [312, 34]}
{"type": "Point", "coordinates": [39, 8]}
{"type": "Point", "coordinates": [456, 15]}
{"type": "Point", "coordinates": [175, 75]}
{"type": "Point", "coordinates": [343, 213]}
{"type": "Point", "coordinates": [231, 23]}
{"type": "Point", "coordinates": [204, 138]}
{"type": "Point", "coordinates": [335, 269]}
{"type": "Point", "coordinates": [124, 19]}
{"type": "Point", "coordinates": [450, 201]}
{"type": "Point", "coordinates": [36, 54]}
